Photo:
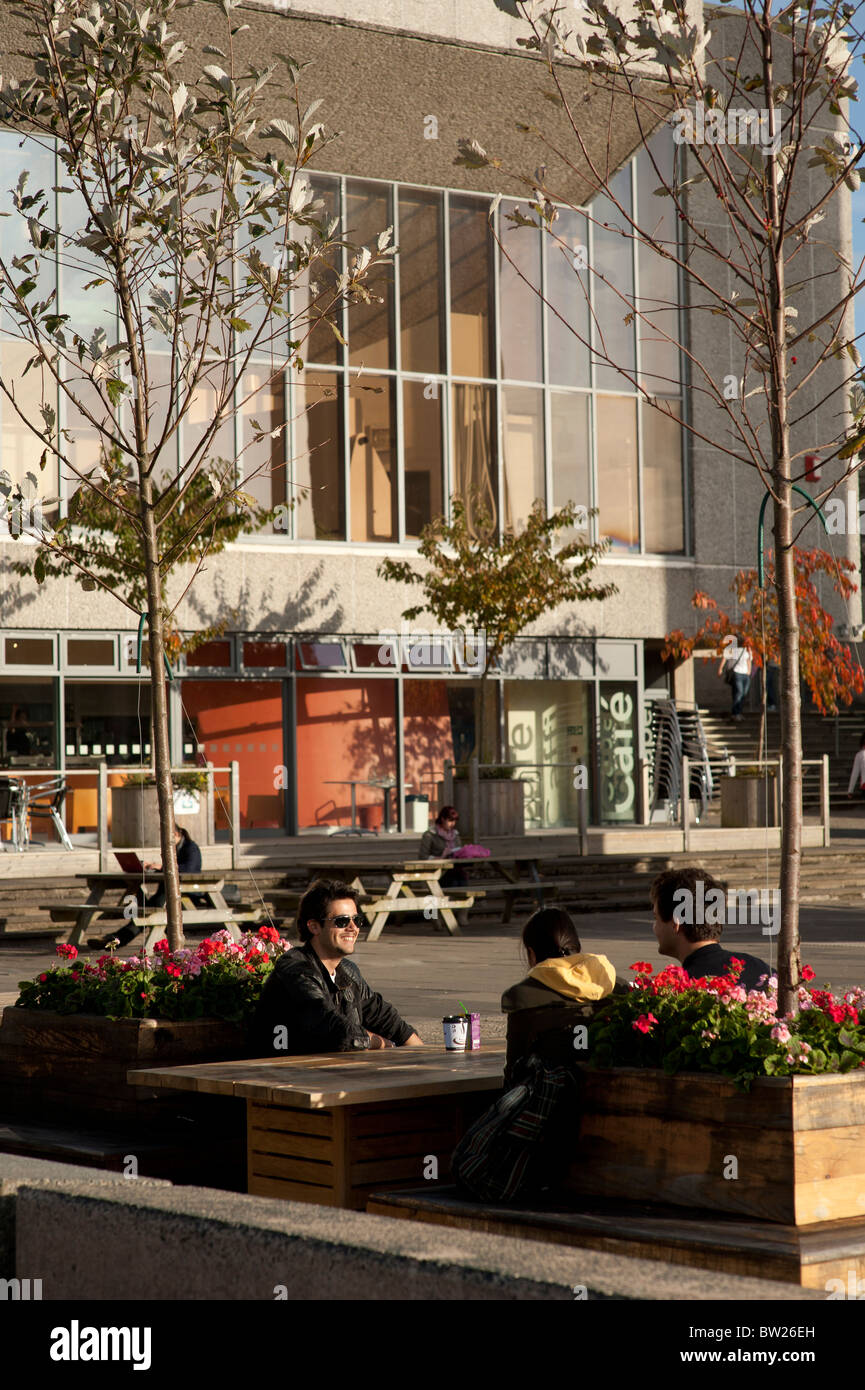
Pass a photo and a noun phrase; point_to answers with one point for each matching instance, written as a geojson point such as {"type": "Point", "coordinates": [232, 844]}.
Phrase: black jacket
{"type": "Point", "coordinates": [321, 1016]}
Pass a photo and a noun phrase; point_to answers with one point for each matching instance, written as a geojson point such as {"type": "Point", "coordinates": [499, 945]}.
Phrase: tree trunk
{"type": "Point", "coordinates": [159, 712]}
{"type": "Point", "coordinates": [785, 582]}
{"type": "Point", "coordinates": [159, 731]}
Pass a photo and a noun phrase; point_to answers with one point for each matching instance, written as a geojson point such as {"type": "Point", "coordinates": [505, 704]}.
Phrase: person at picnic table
{"type": "Point", "coordinates": [687, 904]}
{"type": "Point", "coordinates": [315, 999]}
{"type": "Point", "coordinates": [561, 990]}
{"type": "Point", "coordinates": [188, 862]}
{"type": "Point", "coordinates": [440, 841]}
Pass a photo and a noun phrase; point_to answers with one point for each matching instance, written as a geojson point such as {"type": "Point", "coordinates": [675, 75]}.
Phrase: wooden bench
{"type": "Point", "coordinates": [704, 1240]}
{"type": "Point", "coordinates": [529, 887]}
{"type": "Point", "coordinates": [379, 911]}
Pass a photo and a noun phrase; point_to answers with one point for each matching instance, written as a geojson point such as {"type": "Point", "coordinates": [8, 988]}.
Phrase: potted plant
{"type": "Point", "coordinates": [501, 800]}
{"type": "Point", "coordinates": [700, 1095]}
{"type": "Point", "coordinates": [75, 1031]}
{"type": "Point", "coordinates": [135, 808]}
{"type": "Point", "coordinates": [750, 798]}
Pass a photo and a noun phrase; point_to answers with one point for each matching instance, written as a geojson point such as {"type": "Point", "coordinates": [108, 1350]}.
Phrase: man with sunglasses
{"type": "Point", "coordinates": [315, 999]}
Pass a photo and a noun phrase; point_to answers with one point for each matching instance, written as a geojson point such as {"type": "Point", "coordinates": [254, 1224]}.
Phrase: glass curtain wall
{"type": "Point", "coordinates": [453, 379]}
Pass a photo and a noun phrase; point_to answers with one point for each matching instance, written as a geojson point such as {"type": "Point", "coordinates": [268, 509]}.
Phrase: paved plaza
{"type": "Point", "coordinates": [425, 973]}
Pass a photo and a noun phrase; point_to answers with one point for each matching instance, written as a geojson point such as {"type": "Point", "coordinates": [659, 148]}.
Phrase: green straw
{"type": "Point", "coordinates": [463, 1007]}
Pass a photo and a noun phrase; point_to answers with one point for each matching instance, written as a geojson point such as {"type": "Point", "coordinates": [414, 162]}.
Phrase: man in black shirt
{"type": "Point", "coordinates": [690, 912]}
{"type": "Point", "coordinates": [315, 1000]}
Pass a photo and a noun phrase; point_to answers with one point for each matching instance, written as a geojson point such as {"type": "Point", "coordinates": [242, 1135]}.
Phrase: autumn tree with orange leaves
{"type": "Point", "coordinates": [827, 665]}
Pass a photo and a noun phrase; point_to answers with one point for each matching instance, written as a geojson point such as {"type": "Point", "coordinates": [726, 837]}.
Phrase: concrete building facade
{"type": "Point", "coordinates": [460, 381]}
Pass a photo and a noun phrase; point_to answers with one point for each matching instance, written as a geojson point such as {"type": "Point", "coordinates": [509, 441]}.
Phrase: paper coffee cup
{"type": "Point", "coordinates": [456, 1032]}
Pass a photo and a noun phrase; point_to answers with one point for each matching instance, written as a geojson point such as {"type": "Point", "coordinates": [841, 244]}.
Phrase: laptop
{"type": "Point", "coordinates": [129, 863]}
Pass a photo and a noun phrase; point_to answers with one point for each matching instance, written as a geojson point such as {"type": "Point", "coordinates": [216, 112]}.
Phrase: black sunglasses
{"type": "Point", "coordinates": [342, 922]}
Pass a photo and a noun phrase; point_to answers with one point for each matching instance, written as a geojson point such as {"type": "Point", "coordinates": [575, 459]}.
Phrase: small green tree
{"type": "Point", "coordinates": [98, 545]}
{"type": "Point", "coordinates": [493, 588]}
{"type": "Point", "coordinates": [178, 206]}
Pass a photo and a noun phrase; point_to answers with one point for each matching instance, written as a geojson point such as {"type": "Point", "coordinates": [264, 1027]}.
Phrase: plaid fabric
{"type": "Point", "coordinates": [504, 1153]}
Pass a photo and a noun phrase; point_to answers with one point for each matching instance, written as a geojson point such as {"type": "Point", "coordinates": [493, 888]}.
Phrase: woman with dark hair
{"type": "Point", "coordinates": [440, 841]}
{"type": "Point", "coordinates": [560, 991]}
{"type": "Point", "coordinates": [442, 838]}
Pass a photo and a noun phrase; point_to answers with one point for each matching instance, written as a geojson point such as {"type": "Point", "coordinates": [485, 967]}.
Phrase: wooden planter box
{"type": "Point", "coordinates": [790, 1150]}
{"type": "Point", "coordinates": [57, 1065]}
{"type": "Point", "coordinates": [748, 802]}
{"type": "Point", "coordinates": [135, 817]}
{"type": "Point", "coordinates": [501, 806]}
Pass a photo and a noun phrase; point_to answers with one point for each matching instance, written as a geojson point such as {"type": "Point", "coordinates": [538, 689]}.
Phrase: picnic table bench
{"type": "Point", "coordinates": [333, 1127]}
{"type": "Point", "coordinates": [207, 884]}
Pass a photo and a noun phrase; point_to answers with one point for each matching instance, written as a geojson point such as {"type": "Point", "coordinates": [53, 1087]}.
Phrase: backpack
{"type": "Point", "coordinates": [524, 1141]}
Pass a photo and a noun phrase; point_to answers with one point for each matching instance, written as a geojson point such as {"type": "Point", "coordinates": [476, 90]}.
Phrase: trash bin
{"type": "Point", "coordinates": [417, 813]}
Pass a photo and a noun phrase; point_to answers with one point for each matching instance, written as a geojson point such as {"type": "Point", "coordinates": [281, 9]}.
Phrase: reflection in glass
{"type": "Point", "coordinates": [318, 482]}
{"type": "Point", "coordinates": [368, 213]}
{"type": "Point", "coordinates": [523, 434]}
{"type": "Point", "coordinates": [569, 440]}
{"type": "Point", "coordinates": [612, 258]}
{"type": "Point", "coordinates": [321, 345]}
{"type": "Point", "coordinates": [263, 462]}
{"type": "Point", "coordinates": [618, 495]}
{"type": "Point", "coordinates": [549, 723]}
{"type": "Point", "coordinates": [471, 281]}
{"type": "Point", "coordinates": [659, 281]}
{"type": "Point", "coordinates": [520, 315]}
{"type": "Point", "coordinates": [27, 722]}
{"type": "Point", "coordinates": [662, 480]}
{"type": "Point", "coordinates": [439, 718]}
{"type": "Point", "coordinates": [372, 458]}
{"type": "Point", "coordinates": [567, 293]}
{"type": "Point", "coordinates": [420, 272]}
{"type": "Point", "coordinates": [474, 459]}
{"type": "Point", "coordinates": [200, 415]}
{"type": "Point", "coordinates": [422, 424]}
{"type": "Point", "coordinates": [346, 732]}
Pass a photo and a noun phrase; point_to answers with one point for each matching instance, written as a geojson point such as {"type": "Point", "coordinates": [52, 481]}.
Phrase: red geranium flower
{"type": "Point", "coordinates": [807, 972]}
{"type": "Point", "coordinates": [162, 946]}
{"type": "Point", "coordinates": [642, 966]}
{"type": "Point", "coordinates": [644, 1023]}
{"type": "Point", "coordinates": [65, 950]}
{"type": "Point", "coordinates": [42, 979]}
{"type": "Point", "coordinates": [268, 933]}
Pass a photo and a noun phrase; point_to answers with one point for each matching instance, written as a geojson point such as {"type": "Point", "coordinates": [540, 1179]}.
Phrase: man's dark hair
{"type": "Point", "coordinates": [672, 881]}
{"type": "Point", "coordinates": [550, 932]}
{"type": "Point", "coordinates": [316, 901]}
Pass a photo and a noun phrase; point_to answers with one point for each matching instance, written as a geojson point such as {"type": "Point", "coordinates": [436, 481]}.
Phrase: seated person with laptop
{"type": "Point", "coordinates": [315, 999]}
{"type": "Point", "coordinates": [188, 862]}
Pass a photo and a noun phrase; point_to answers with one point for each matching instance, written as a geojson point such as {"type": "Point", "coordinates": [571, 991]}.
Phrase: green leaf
{"type": "Point", "coordinates": [116, 389]}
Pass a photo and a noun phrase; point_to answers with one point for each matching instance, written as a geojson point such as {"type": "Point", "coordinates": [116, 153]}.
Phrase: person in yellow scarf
{"type": "Point", "coordinates": [561, 991]}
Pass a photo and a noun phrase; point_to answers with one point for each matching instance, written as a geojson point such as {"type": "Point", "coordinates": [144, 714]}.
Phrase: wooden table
{"type": "Point", "coordinates": [208, 883]}
{"type": "Point", "coordinates": [400, 895]}
{"type": "Point", "coordinates": [334, 1127]}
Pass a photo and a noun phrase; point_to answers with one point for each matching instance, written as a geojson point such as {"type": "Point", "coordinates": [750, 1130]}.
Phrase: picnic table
{"type": "Point", "coordinates": [401, 896]}
{"type": "Point", "coordinates": [519, 876]}
{"type": "Point", "coordinates": [207, 883]}
{"type": "Point", "coordinates": [333, 1127]}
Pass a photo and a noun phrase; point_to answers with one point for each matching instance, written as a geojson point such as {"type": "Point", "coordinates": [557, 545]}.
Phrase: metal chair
{"type": "Point", "coordinates": [11, 800]}
{"type": "Point", "coordinates": [46, 803]}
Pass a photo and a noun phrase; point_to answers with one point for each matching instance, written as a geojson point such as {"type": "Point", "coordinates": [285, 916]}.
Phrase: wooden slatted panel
{"type": "Point", "coordinates": [827, 1102]}
{"type": "Point", "coordinates": [684, 1164]}
{"type": "Point", "coordinates": [636, 1091]}
{"type": "Point", "coordinates": [292, 1191]}
{"type": "Point", "coordinates": [286, 1120]}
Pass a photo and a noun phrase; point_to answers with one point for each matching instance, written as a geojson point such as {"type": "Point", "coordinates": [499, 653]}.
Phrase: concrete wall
{"type": "Point", "coordinates": [133, 1240]}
